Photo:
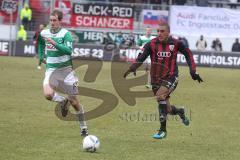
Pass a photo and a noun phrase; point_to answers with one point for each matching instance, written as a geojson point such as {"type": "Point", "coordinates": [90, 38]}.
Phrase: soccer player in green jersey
{"type": "Point", "coordinates": [141, 42]}
{"type": "Point", "coordinates": [55, 44]}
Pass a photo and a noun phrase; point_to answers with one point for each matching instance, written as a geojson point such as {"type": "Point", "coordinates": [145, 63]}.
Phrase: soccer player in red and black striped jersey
{"type": "Point", "coordinates": [35, 42]}
{"type": "Point", "coordinates": [163, 52]}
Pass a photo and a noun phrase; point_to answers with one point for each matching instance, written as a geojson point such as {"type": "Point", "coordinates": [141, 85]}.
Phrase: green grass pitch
{"type": "Point", "coordinates": [29, 129]}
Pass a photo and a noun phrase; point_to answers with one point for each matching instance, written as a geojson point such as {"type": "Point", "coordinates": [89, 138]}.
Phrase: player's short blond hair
{"type": "Point", "coordinates": [57, 13]}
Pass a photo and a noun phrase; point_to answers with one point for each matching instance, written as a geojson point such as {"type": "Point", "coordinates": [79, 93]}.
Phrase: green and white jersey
{"type": "Point", "coordinates": [57, 56]}
{"type": "Point", "coordinates": [143, 40]}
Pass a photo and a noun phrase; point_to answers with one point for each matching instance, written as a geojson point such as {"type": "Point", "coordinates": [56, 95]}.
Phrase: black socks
{"type": "Point", "coordinates": [162, 108]}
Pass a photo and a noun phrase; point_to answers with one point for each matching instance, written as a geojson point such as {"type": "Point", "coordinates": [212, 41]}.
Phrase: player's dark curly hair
{"type": "Point", "coordinates": [57, 13]}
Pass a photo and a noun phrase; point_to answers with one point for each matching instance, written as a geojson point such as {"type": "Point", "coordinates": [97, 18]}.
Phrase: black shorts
{"type": "Point", "coordinates": [170, 83]}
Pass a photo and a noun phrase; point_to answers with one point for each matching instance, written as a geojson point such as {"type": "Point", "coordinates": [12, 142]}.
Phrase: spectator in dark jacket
{"type": "Point", "coordinates": [217, 45]}
{"type": "Point", "coordinates": [236, 46]}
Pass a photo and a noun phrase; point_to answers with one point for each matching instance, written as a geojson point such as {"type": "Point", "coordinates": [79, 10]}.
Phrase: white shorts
{"type": "Point", "coordinates": [147, 64]}
{"type": "Point", "coordinates": [148, 60]}
{"type": "Point", "coordinates": [62, 79]}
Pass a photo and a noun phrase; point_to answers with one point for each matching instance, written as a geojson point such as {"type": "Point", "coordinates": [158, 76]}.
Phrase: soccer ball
{"type": "Point", "coordinates": [91, 143]}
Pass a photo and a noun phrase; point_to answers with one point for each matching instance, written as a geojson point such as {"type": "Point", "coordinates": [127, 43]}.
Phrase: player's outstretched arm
{"type": "Point", "coordinates": [196, 76]}
{"type": "Point", "coordinates": [190, 61]}
{"type": "Point", "coordinates": [67, 46]}
{"type": "Point", "coordinates": [41, 48]}
{"type": "Point", "coordinates": [140, 59]}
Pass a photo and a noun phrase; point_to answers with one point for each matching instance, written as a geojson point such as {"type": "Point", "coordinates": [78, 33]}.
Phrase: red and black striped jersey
{"type": "Point", "coordinates": [164, 58]}
{"type": "Point", "coordinates": [35, 37]}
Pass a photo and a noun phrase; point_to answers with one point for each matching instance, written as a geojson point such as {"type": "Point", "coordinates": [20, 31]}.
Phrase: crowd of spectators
{"type": "Point", "coordinates": [203, 3]}
{"type": "Point", "coordinates": [216, 45]}
{"type": "Point", "coordinates": [201, 43]}
{"type": "Point", "coordinates": [129, 41]}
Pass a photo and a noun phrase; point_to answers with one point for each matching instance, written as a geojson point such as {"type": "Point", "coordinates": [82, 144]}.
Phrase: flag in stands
{"type": "Point", "coordinates": [153, 17]}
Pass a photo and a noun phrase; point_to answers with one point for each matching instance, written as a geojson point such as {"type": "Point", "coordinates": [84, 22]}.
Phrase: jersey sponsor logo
{"type": "Point", "coordinates": [50, 47]}
{"type": "Point", "coordinates": [60, 41]}
{"type": "Point", "coordinates": [52, 35]}
{"type": "Point", "coordinates": [163, 55]}
{"type": "Point", "coordinates": [171, 47]}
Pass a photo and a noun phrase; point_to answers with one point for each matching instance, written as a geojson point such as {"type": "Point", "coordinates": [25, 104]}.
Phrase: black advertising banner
{"type": "Point", "coordinates": [97, 37]}
{"type": "Point", "coordinates": [102, 16]}
{"type": "Point", "coordinates": [88, 37]}
{"type": "Point", "coordinates": [88, 51]}
{"type": "Point", "coordinates": [207, 59]}
{"type": "Point", "coordinates": [4, 48]}
{"type": "Point", "coordinates": [92, 52]}
{"type": "Point", "coordinates": [26, 49]}
{"type": "Point", "coordinates": [214, 59]}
